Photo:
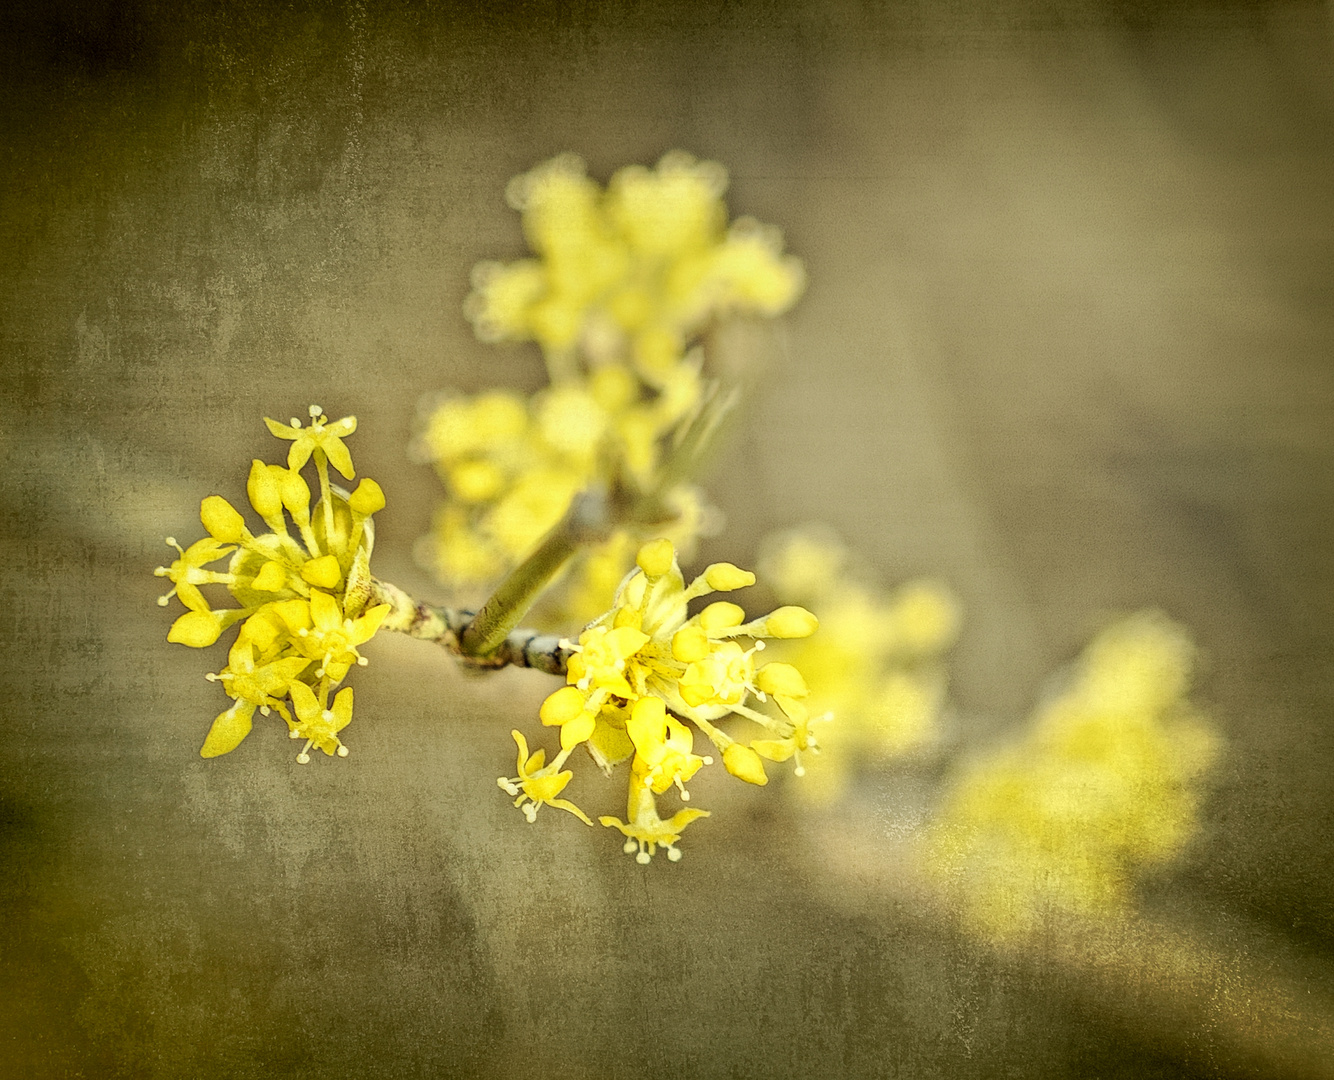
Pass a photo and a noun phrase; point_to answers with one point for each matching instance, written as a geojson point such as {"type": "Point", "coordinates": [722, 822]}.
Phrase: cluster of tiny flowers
{"type": "Point", "coordinates": [878, 662]}
{"type": "Point", "coordinates": [1105, 782]}
{"type": "Point", "coordinates": [625, 282]}
{"type": "Point", "coordinates": [512, 466]}
{"type": "Point", "coordinates": [302, 598]}
{"type": "Point", "coordinates": [631, 273]}
{"type": "Point", "coordinates": [645, 673]}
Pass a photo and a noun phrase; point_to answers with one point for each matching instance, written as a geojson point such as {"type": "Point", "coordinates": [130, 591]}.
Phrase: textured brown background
{"type": "Point", "coordinates": [1067, 344]}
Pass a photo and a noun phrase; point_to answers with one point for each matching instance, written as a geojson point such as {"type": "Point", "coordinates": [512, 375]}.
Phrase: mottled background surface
{"type": "Point", "coordinates": [1067, 344]}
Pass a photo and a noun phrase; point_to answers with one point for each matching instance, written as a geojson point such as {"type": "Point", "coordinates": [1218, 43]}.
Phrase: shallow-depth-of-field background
{"type": "Point", "coordinates": [1068, 344]}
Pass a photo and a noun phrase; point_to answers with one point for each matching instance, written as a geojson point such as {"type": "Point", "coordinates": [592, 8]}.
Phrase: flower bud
{"type": "Point", "coordinates": [724, 577]}
{"type": "Point", "coordinates": [656, 557]}
{"type": "Point", "coordinates": [562, 706]}
{"type": "Point", "coordinates": [721, 616]}
{"type": "Point", "coordinates": [265, 489]}
{"type": "Point", "coordinates": [367, 499]}
{"type": "Point", "coordinates": [689, 644]}
{"type": "Point", "coordinates": [323, 572]}
{"type": "Point", "coordinates": [781, 679]}
{"type": "Point", "coordinates": [271, 578]}
{"type": "Point", "coordinates": [221, 519]}
{"type": "Point", "coordinates": [791, 622]}
{"type": "Point", "coordinates": [198, 629]}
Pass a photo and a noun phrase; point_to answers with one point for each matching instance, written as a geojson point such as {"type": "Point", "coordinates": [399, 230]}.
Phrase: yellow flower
{"type": "Point", "coordinates": [321, 437]}
{"type": "Point", "coordinates": [877, 662]}
{"type": "Point", "coordinates": [645, 831]}
{"type": "Point", "coordinates": [633, 273]}
{"type": "Point", "coordinates": [511, 469]}
{"type": "Point", "coordinates": [662, 747]}
{"type": "Point", "coordinates": [317, 724]}
{"type": "Point", "coordinates": [302, 598]}
{"type": "Point", "coordinates": [646, 673]}
{"type": "Point", "coordinates": [1106, 781]}
{"type": "Point", "coordinates": [539, 784]}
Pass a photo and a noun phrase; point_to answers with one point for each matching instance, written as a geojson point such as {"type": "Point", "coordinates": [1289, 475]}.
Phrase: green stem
{"type": "Point", "coordinates": [585, 522]}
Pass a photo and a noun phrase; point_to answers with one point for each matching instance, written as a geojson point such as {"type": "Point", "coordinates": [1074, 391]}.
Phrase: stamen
{"type": "Point", "coordinates": [342, 750]}
{"type": "Point", "coordinates": [315, 411]}
{"type": "Point", "coordinates": [303, 758]}
{"type": "Point", "coordinates": [293, 734]}
{"type": "Point", "coordinates": [673, 854]}
{"type": "Point", "coordinates": [629, 846]}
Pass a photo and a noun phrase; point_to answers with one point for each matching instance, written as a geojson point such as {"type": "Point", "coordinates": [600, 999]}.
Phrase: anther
{"type": "Point", "coordinates": [673, 854]}
{"type": "Point", "coordinates": [315, 411]}
{"type": "Point", "coordinates": [342, 750]}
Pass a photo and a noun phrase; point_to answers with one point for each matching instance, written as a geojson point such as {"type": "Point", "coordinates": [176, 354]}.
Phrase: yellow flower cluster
{"type": "Point", "coordinates": [631, 273]}
{"type": "Point", "coordinates": [877, 662]}
{"type": "Point", "coordinates": [1105, 782]}
{"type": "Point", "coordinates": [302, 598]}
{"type": "Point", "coordinates": [625, 281]}
{"type": "Point", "coordinates": [512, 466]}
{"type": "Point", "coordinates": [645, 667]}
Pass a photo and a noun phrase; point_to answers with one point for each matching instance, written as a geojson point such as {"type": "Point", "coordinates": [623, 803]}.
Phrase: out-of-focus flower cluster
{"type": "Point", "coordinates": [877, 662]}
{"type": "Point", "coordinates": [1106, 782]}
{"type": "Point", "coordinates": [632, 273]}
{"type": "Point", "coordinates": [302, 598]}
{"type": "Point", "coordinates": [646, 673]}
{"type": "Point", "coordinates": [511, 467]}
{"type": "Point", "coordinates": [625, 282]}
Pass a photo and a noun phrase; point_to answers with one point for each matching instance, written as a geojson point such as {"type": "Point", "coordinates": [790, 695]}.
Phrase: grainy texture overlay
{"type": "Point", "coordinates": [1068, 344]}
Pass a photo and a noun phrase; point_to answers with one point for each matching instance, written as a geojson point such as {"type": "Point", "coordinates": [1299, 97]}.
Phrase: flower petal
{"type": "Point", "coordinates": [228, 730]}
{"type": "Point", "coordinates": [339, 457]}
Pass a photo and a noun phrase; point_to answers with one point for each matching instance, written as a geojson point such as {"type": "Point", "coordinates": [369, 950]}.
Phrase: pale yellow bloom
{"type": "Point", "coordinates": [302, 597]}
{"type": "Point", "coordinates": [511, 468]}
{"type": "Point", "coordinates": [877, 663]}
{"type": "Point", "coordinates": [1104, 783]}
{"type": "Point", "coordinates": [632, 273]}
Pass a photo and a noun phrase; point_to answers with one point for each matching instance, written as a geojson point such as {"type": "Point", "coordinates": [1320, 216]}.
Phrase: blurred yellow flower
{"type": "Point", "coordinates": [302, 601]}
{"type": "Point", "coordinates": [632, 273]}
{"type": "Point", "coordinates": [512, 466]}
{"type": "Point", "coordinates": [876, 663]}
{"type": "Point", "coordinates": [1105, 782]}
